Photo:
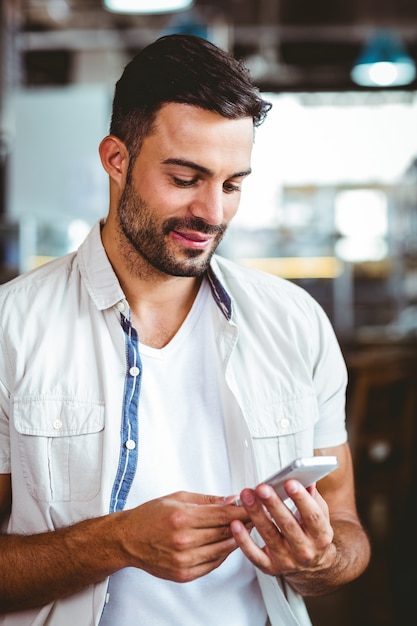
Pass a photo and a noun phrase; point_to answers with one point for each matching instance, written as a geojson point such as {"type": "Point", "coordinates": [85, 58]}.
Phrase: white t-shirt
{"type": "Point", "coordinates": [182, 446]}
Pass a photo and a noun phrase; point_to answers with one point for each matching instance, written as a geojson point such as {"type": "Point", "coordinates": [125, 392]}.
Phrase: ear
{"type": "Point", "coordinates": [114, 158]}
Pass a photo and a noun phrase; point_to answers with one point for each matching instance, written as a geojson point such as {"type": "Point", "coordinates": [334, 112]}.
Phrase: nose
{"type": "Point", "coordinates": [208, 204]}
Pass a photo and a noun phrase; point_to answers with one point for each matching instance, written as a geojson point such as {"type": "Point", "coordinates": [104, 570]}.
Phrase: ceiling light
{"type": "Point", "coordinates": [384, 63]}
{"type": "Point", "coordinates": [146, 6]}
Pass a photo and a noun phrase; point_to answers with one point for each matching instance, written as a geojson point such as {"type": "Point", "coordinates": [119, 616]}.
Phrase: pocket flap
{"type": "Point", "coordinates": [57, 417]}
{"type": "Point", "coordinates": [283, 416]}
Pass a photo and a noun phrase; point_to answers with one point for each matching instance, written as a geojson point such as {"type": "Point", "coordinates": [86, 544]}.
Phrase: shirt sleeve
{"type": "Point", "coordinates": [5, 466]}
{"type": "Point", "coordinates": [330, 380]}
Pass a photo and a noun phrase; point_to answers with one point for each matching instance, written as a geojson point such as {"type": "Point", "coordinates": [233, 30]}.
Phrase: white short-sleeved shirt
{"type": "Point", "coordinates": [69, 387]}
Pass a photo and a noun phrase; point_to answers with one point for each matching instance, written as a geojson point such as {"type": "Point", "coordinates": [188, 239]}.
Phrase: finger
{"type": "Point", "coordinates": [193, 564]}
{"type": "Point", "coordinates": [308, 531]}
{"type": "Point", "coordinates": [266, 510]}
{"type": "Point", "coordinates": [250, 549]}
{"type": "Point", "coordinates": [215, 552]}
{"type": "Point", "coordinates": [194, 526]}
{"type": "Point", "coordinates": [232, 500]}
{"type": "Point", "coordinates": [197, 498]}
{"type": "Point", "coordinates": [277, 526]}
{"type": "Point", "coordinates": [291, 532]}
{"type": "Point", "coordinates": [264, 518]}
{"type": "Point", "coordinates": [208, 536]}
{"type": "Point", "coordinates": [313, 512]}
{"type": "Point", "coordinates": [211, 510]}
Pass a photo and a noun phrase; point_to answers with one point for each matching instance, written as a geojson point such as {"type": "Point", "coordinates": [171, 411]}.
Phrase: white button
{"type": "Point", "coordinates": [130, 444]}
{"type": "Point", "coordinates": [284, 423]}
{"type": "Point", "coordinates": [134, 371]}
{"type": "Point", "coordinates": [121, 306]}
{"type": "Point", "coordinates": [246, 443]}
{"type": "Point", "coordinates": [57, 424]}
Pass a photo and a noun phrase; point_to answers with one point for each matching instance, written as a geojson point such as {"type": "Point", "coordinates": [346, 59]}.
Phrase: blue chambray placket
{"type": "Point", "coordinates": [129, 432]}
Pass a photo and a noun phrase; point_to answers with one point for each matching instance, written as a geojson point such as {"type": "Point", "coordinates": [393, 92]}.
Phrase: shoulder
{"type": "Point", "coordinates": [273, 306]}
{"type": "Point", "coordinates": [245, 283]}
{"type": "Point", "coordinates": [38, 285]}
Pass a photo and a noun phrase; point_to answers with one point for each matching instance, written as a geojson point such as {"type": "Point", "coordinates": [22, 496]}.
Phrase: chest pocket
{"type": "Point", "coordinates": [60, 447]}
{"type": "Point", "coordinates": [283, 431]}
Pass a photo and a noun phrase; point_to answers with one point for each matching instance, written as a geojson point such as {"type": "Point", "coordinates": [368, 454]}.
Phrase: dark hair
{"type": "Point", "coordinates": [184, 69]}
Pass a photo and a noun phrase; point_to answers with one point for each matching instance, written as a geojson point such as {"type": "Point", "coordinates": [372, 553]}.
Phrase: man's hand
{"type": "Point", "coordinates": [319, 547]}
{"type": "Point", "coordinates": [293, 542]}
{"type": "Point", "coordinates": [180, 537]}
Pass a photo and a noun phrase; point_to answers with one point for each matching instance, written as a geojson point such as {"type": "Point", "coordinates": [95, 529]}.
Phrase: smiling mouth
{"type": "Point", "coordinates": [193, 233]}
{"type": "Point", "coordinates": [192, 238]}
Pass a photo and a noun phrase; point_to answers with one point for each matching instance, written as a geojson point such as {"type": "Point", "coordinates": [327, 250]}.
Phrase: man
{"type": "Point", "coordinates": [145, 382]}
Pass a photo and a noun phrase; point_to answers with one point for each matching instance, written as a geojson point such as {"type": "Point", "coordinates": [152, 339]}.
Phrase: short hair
{"type": "Point", "coordinates": [184, 69]}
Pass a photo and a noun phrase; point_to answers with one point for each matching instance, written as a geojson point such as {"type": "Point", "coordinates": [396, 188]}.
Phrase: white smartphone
{"type": "Point", "coordinates": [307, 470]}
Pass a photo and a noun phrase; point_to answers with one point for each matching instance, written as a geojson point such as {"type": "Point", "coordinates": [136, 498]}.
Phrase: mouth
{"type": "Point", "coordinates": [192, 239]}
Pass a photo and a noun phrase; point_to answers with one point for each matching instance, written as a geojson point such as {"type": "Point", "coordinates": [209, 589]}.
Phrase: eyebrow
{"type": "Point", "coordinates": [200, 168]}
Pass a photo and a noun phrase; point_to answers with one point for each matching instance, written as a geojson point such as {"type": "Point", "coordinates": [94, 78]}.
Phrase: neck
{"type": "Point", "coordinates": [159, 309]}
{"type": "Point", "coordinates": [159, 303]}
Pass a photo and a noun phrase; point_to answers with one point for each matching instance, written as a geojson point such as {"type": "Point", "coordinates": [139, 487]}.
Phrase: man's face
{"type": "Point", "coordinates": [184, 188]}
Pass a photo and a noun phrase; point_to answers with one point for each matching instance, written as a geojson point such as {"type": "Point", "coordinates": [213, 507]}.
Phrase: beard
{"type": "Point", "coordinates": [150, 241]}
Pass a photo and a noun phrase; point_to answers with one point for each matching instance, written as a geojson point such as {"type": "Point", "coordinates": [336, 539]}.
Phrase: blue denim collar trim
{"type": "Point", "coordinates": [220, 295]}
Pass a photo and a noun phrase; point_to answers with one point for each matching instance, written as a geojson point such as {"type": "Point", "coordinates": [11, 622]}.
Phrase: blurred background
{"type": "Point", "coordinates": [331, 204]}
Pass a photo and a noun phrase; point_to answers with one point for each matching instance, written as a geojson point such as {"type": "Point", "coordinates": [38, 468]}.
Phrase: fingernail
{"type": "Point", "coordinates": [292, 487]}
{"type": "Point", "coordinates": [265, 492]}
{"type": "Point", "coordinates": [231, 500]}
{"type": "Point", "coordinates": [248, 498]}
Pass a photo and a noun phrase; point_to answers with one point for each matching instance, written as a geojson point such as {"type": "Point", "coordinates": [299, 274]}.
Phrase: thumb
{"type": "Point", "coordinates": [198, 498]}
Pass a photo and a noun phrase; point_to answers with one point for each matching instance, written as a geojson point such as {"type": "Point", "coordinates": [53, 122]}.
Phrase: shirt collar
{"type": "Point", "coordinates": [219, 293]}
{"type": "Point", "coordinates": [96, 270]}
{"type": "Point", "coordinates": [104, 287]}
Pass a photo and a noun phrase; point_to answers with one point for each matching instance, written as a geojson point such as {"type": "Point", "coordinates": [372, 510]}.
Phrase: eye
{"type": "Point", "coordinates": [184, 182]}
{"type": "Point", "coordinates": [230, 187]}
